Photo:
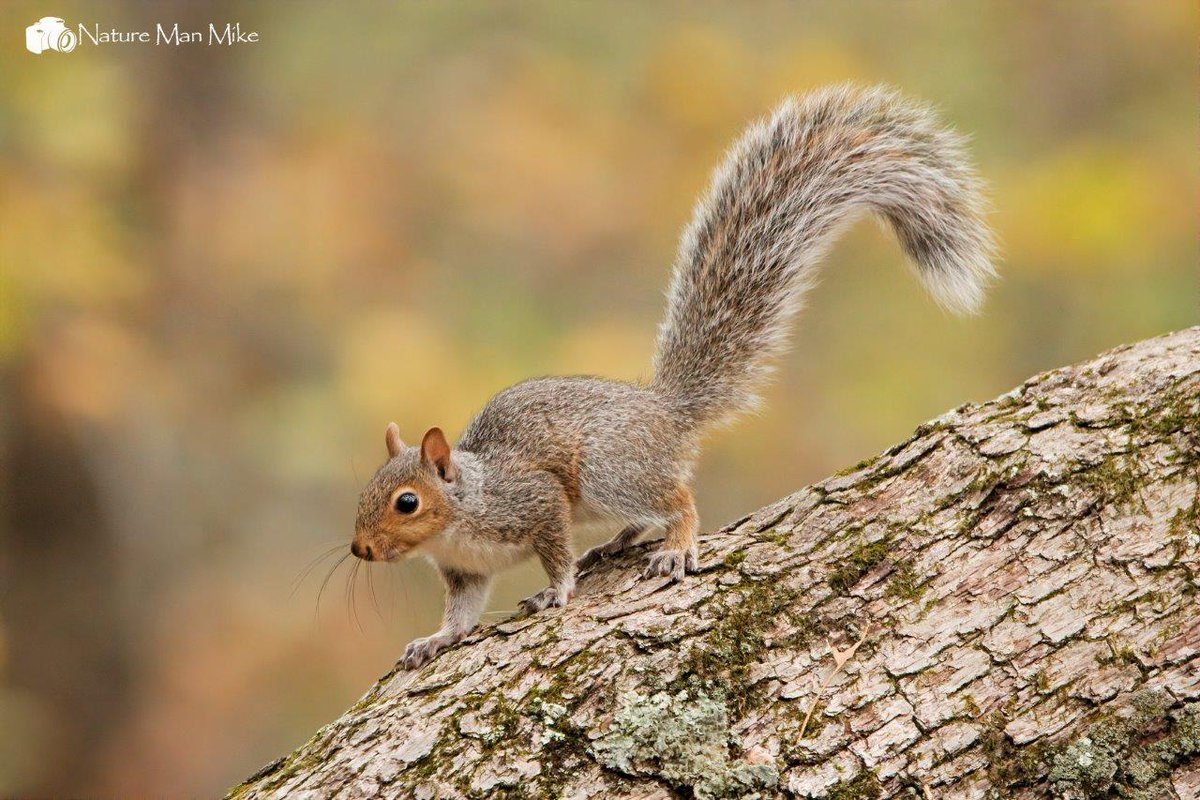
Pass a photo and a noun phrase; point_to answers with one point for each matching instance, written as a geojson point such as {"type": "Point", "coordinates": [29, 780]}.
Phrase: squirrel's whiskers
{"type": "Point", "coordinates": [325, 582]}
{"type": "Point", "coordinates": [348, 597]}
{"type": "Point", "coordinates": [307, 569]}
{"type": "Point", "coordinates": [371, 591]}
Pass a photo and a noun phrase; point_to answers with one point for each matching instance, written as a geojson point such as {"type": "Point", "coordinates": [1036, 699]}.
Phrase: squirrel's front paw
{"type": "Point", "coordinates": [671, 564]}
{"type": "Point", "coordinates": [421, 651]}
{"type": "Point", "coordinates": [550, 597]}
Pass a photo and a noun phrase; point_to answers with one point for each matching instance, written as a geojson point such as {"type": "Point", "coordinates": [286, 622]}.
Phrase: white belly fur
{"type": "Point", "coordinates": [472, 555]}
{"type": "Point", "coordinates": [461, 551]}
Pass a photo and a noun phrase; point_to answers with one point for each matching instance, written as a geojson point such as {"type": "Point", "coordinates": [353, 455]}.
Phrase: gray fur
{"type": "Point", "coordinates": [549, 452]}
{"type": "Point", "coordinates": [784, 191]}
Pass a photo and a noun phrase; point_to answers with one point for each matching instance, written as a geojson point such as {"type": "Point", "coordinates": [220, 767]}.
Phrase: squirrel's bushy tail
{"type": "Point", "coordinates": [774, 206]}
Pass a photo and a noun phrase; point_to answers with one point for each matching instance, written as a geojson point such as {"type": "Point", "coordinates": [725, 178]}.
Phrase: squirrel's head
{"type": "Point", "coordinates": [409, 499]}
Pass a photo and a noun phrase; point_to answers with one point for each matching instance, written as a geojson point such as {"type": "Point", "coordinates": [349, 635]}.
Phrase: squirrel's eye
{"type": "Point", "coordinates": [407, 502]}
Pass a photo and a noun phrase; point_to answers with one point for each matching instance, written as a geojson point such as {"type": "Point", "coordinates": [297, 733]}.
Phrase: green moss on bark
{"type": "Point", "coordinates": [1128, 753]}
{"type": "Point", "coordinates": [858, 563]}
{"type": "Point", "coordinates": [864, 786]}
{"type": "Point", "coordinates": [684, 739]}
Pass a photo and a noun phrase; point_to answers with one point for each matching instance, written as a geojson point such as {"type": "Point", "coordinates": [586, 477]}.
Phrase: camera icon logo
{"type": "Point", "coordinates": [50, 33]}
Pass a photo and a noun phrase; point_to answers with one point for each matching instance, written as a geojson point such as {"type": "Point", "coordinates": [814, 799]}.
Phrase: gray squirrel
{"type": "Point", "coordinates": [549, 452]}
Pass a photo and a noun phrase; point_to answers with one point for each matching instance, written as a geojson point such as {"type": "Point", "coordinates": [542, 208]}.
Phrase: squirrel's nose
{"type": "Point", "coordinates": [362, 551]}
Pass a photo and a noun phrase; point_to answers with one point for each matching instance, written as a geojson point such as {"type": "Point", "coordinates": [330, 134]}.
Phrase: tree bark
{"type": "Point", "coordinates": [1003, 605]}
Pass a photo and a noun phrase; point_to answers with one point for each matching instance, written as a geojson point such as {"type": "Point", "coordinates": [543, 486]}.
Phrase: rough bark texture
{"type": "Point", "coordinates": [1004, 605]}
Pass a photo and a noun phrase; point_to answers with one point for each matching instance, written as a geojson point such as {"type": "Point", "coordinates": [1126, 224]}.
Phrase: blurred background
{"type": "Point", "coordinates": [224, 270]}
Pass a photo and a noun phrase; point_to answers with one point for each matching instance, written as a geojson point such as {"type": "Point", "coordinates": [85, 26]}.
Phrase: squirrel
{"type": "Point", "coordinates": [549, 452]}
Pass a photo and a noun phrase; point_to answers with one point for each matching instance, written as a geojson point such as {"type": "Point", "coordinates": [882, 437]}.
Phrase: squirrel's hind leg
{"type": "Point", "coordinates": [678, 553]}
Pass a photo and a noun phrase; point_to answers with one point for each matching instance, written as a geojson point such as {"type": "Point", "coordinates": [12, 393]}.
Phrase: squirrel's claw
{"type": "Point", "coordinates": [673, 564]}
{"type": "Point", "coordinates": [550, 597]}
{"type": "Point", "coordinates": [597, 554]}
{"type": "Point", "coordinates": [421, 651]}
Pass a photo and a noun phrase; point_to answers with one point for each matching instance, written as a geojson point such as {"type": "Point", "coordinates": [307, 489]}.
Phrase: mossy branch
{"type": "Point", "coordinates": [1010, 595]}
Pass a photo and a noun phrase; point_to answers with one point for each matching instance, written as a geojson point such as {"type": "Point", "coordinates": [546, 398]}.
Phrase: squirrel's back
{"type": "Point", "coordinates": [774, 206]}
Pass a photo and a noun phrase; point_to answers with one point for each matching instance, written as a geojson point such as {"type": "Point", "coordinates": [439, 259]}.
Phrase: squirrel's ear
{"type": "Point", "coordinates": [435, 451]}
{"type": "Point", "coordinates": [391, 438]}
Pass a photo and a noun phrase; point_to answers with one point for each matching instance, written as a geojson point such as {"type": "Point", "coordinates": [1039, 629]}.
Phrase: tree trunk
{"type": "Point", "coordinates": [1004, 605]}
